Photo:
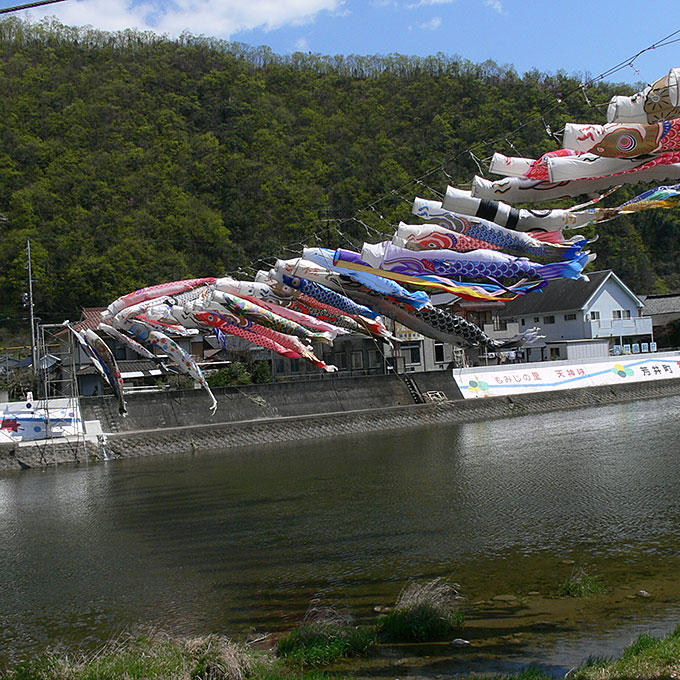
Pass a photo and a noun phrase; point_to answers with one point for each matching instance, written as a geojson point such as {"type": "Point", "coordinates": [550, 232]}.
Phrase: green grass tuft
{"type": "Point", "coordinates": [278, 671]}
{"type": "Point", "coordinates": [648, 658]}
{"type": "Point", "coordinates": [44, 667]}
{"type": "Point", "coordinates": [533, 673]}
{"type": "Point", "coordinates": [145, 657]}
{"type": "Point", "coordinates": [644, 642]}
{"type": "Point", "coordinates": [582, 584]}
{"type": "Point", "coordinates": [423, 613]}
{"type": "Point", "coordinates": [598, 661]}
{"type": "Point", "coordinates": [420, 623]}
{"type": "Point", "coordinates": [322, 643]}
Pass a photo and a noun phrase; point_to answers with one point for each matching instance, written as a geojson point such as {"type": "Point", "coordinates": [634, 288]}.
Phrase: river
{"type": "Point", "coordinates": [246, 539]}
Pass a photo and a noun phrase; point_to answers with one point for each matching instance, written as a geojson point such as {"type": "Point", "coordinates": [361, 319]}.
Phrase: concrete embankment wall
{"type": "Point", "coordinates": [329, 394]}
{"type": "Point", "coordinates": [220, 436]}
{"type": "Point", "coordinates": [363, 407]}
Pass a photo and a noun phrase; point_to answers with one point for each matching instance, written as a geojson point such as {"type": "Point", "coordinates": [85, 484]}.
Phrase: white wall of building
{"type": "Point", "coordinates": [556, 325]}
{"type": "Point", "coordinates": [611, 313]}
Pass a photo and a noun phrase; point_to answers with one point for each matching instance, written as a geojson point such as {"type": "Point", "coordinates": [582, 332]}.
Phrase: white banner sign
{"type": "Point", "coordinates": [481, 382]}
{"type": "Point", "coordinates": [39, 419]}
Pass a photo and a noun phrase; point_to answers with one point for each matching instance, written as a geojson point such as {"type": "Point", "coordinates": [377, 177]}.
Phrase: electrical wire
{"type": "Point", "coordinates": [28, 5]}
{"type": "Point", "coordinates": [626, 63]}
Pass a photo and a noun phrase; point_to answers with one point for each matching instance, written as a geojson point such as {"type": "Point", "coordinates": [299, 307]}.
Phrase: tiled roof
{"type": "Point", "coordinates": [143, 366]}
{"type": "Point", "coordinates": [661, 304]}
{"type": "Point", "coordinates": [90, 318]}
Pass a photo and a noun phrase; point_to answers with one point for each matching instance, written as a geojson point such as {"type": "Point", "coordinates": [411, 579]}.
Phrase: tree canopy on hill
{"type": "Point", "coordinates": [130, 158]}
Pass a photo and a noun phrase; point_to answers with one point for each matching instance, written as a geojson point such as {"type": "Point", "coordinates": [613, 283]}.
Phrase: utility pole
{"type": "Point", "coordinates": [34, 360]}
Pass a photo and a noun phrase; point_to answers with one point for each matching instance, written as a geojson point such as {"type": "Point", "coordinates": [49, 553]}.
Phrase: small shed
{"type": "Point", "coordinates": [577, 350]}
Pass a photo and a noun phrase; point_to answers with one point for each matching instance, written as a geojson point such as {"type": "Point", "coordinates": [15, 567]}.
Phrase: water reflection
{"type": "Point", "coordinates": [247, 537]}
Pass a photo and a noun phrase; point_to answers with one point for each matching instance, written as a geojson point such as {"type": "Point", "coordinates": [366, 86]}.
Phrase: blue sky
{"type": "Point", "coordinates": [577, 37]}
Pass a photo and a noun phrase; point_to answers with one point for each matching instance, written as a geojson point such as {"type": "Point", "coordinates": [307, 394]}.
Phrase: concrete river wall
{"type": "Point", "coordinates": [333, 406]}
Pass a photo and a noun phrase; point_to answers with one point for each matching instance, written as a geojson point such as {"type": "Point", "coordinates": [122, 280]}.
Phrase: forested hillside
{"type": "Point", "coordinates": [130, 159]}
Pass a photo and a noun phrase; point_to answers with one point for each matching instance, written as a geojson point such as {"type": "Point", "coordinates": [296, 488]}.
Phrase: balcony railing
{"type": "Point", "coordinates": [604, 328]}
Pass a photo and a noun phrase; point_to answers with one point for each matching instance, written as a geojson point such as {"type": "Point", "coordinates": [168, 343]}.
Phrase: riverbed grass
{"type": "Point", "coordinates": [319, 643]}
{"type": "Point", "coordinates": [148, 657]}
{"type": "Point", "coordinates": [582, 584]}
{"type": "Point", "coordinates": [648, 658]}
{"type": "Point", "coordinates": [161, 657]}
{"type": "Point", "coordinates": [423, 613]}
{"type": "Point", "coordinates": [531, 673]}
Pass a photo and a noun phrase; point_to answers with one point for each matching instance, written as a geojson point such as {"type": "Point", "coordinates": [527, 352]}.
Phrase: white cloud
{"type": "Point", "coordinates": [222, 18]}
{"type": "Point", "coordinates": [421, 3]}
{"type": "Point", "coordinates": [496, 5]}
{"type": "Point", "coordinates": [302, 45]}
{"type": "Point", "coordinates": [431, 25]}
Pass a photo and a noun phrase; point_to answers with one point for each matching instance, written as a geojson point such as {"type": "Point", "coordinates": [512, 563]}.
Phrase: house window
{"type": "Point", "coordinates": [626, 313]}
{"type": "Point", "coordinates": [616, 314]}
{"type": "Point", "coordinates": [522, 322]}
{"type": "Point", "coordinates": [554, 353]}
{"type": "Point", "coordinates": [549, 319]}
{"type": "Point", "coordinates": [280, 368]}
{"type": "Point", "coordinates": [341, 361]}
{"type": "Point", "coordinates": [594, 316]}
{"type": "Point", "coordinates": [570, 317]}
{"type": "Point", "coordinates": [294, 365]}
{"type": "Point", "coordinates": [536, 319]}
{"type": "Point", "coordinates": [411, 353]}
{"type": "Point", "coordinates": [439, 352]}
{"type": "Point", "coordinates": [358, 359]}
{"type": "Point", "coordinates": [374, 358]}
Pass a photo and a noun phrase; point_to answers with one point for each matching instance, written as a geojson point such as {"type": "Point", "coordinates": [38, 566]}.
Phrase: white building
{"type": "Point", "coordinates": [582, 319]}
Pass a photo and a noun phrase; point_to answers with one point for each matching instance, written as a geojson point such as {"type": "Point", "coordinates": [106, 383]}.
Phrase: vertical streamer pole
{"type": "Point", "coordinates": [34, 362]}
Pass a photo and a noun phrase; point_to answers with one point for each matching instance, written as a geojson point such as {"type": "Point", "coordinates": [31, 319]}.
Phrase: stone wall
{"type": "Point", "coordinates": [40, 454]}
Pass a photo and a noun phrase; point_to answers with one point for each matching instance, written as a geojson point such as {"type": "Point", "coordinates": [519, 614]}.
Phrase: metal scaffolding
{"type": "Point", "coordinates": [56, 368]}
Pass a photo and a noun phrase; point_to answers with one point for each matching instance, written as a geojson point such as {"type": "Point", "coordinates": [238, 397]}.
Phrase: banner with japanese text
{"type": "Point", "coordinates": [547, 376]}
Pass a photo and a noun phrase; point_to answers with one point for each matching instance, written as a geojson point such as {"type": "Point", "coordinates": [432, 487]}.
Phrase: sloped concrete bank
{"type": "Point", "coordinates": [328, 394]}
{"type": "Point", "coordinates": [248, 433]}
{"type": "Point", "coordinates": [373, 412]}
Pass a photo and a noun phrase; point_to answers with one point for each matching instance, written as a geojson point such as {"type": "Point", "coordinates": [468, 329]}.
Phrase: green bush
{"type": "Point", "coordinates": [234, 374]}
{"type": "Point", "coordinates": [261, 372]}
{"type": "Point", "coordinates": [238, 373]}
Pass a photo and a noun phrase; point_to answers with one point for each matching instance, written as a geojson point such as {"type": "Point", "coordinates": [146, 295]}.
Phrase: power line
{"type": "Point", "coordinates": [663, 42]}
{"type": "Point", "coordinates": [28, 5]}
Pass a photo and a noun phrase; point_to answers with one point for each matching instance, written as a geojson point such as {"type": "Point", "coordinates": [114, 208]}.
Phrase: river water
{"type": "Point", "coordinates": [246, 539]}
